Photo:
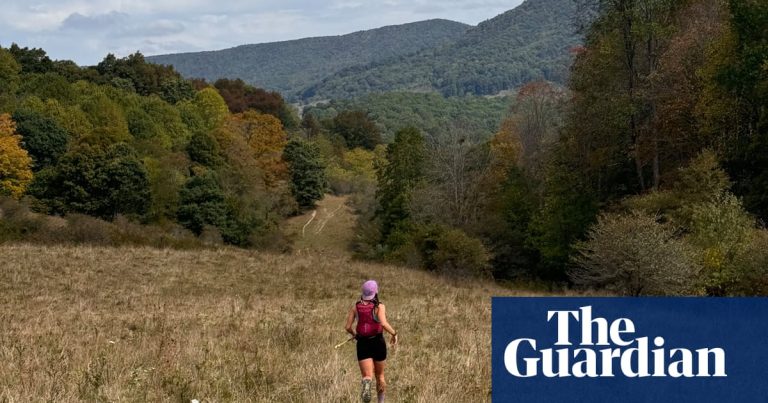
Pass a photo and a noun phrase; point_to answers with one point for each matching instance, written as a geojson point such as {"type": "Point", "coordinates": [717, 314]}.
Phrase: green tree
{"type": "Point", "coordinates": [48, 86]}
{"type": "Point", "coordinates": [743, 77]}
{"type": "Point", "coordinates": [357, 129]}
{"type": "Point", "coordinates": [176, 90]}
{"type": "Point", "coordinates": [204, 149]}
{"type": "Point", "coordinates": [202, 202]}
{"type": "Point", "coordinates": [32, 60]}
{"type": "Point", "coordinates": [133, 73]}
{"type": "Point", "coordinates": [42, 137]}
{"type": "Point", "coordinates": [9, 79]}
{"type": "Point", "coordinates": [71, 118]}
{"type": "Point", "coordinates": [167, 175]}
{"type": "Point", "coordinates": [211, 108]}
{"type": "Point", "coordinates": [106, 116]}
{"type": "Point", "coordinates": [403, 171]}
{"type": "Point", "coordinates": [568, 207]}
{"type": "Point", "coordinates": [308, 182]}
{"type": "Point", "coordinates": [102, 181]}
{"type": "Point", "coordinates": [506, 226]}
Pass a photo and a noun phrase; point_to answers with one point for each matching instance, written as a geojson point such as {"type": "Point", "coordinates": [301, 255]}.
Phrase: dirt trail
{"type": "Point", "coordinates": [327, 229]}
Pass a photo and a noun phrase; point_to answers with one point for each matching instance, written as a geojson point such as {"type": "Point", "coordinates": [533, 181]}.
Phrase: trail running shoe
{"type": "Point", "coordinates": [366, 394]}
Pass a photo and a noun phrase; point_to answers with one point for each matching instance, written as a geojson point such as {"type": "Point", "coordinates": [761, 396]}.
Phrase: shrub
{"type": "Point", "coordinates": [634, 254]}
{"type": "Point", "coordinates": [752, 279]}
{"type": "Point", "coordinates": [19, 224]}
{"type": "Point", "coordinates": [440, 249]}
{"type": "Point", "coordinates": [458, 253]}
{"type": "Point", "coordinates": [702, 180]}
{"type": "Point", "coordinates": [722, 230]}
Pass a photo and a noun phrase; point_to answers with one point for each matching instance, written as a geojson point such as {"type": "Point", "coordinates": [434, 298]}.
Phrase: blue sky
{"type": "Point", "coordinates": [86, 30]}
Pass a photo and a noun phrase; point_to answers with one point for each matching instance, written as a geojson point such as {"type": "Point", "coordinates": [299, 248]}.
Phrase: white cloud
{"type": "Point", "coordinates": [86, 30]}
{"type": "Point", "coordinates": [77, 21]}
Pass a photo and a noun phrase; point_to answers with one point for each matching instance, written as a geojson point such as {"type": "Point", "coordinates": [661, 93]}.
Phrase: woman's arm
{"type": "Point", "coordinates": [383, 319]}
{"type": "Point", "coordinates": [350, 321]}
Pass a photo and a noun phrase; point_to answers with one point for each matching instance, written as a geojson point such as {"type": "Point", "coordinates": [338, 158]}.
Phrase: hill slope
{"type": "Point", "coordinates": [291, 66]}
{"type": "Point", "coordinates": [428, 112]}
{"type": "Point", "coordinates": [138, 324]}
{"type": "Point", "coordinates": [532, 41]}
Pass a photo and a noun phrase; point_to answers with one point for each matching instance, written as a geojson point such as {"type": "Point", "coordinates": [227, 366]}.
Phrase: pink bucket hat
{"type": "Point", "coordinates": [370, 289]}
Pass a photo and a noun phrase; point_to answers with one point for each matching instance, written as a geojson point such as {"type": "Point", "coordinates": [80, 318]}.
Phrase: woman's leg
{"type": "Point", "coordinates": [381, 384]}
{"type": "Point", "coordinates": [366, 370]}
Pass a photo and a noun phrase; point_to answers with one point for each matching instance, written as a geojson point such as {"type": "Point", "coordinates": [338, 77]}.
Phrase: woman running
{"type": "Point", "coordinates": [371, 318]}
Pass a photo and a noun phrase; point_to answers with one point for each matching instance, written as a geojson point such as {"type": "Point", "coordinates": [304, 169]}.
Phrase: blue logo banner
{"type": "Point", "coordinates": [630, 350]}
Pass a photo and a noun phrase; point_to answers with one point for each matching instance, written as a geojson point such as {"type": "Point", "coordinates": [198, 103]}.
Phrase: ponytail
{"type": "Point", "coordinates": [376, 303]}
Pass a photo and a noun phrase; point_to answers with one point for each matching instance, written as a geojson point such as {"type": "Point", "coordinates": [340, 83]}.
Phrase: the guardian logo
{"type": "Point", "coordinates": [607, 349]}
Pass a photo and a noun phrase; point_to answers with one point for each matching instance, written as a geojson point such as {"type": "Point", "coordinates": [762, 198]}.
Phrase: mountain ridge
{"type": "Point", "coordinates": [293, 65]}
{"type": "Point", "coordinates": [531, 42]}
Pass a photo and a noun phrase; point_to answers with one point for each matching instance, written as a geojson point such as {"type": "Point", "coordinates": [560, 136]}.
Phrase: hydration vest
{"type": "Point", "coordinates": [367, 323]}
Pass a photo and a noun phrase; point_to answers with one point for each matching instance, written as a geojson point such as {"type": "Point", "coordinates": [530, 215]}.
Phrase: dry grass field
{"type": "Point", "coordinates": [149, 325]}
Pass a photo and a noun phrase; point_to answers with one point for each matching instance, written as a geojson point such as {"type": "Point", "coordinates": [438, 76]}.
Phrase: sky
{"type": "Point", "coordinates": [86, 30]}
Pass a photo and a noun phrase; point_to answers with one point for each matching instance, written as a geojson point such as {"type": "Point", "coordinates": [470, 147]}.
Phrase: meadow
{"type": "Point", "coordinates": [133, 324]}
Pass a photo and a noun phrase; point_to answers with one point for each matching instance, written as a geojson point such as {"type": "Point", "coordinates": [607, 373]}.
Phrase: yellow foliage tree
{"type": "Point", "coordinates": [15, 163]}
{"type": "Point", "coordinates": [211, 108]}
{"type": "Point", "coordinates": [506, 151]}
{"type": "Point", "coordinates": [266, 138]}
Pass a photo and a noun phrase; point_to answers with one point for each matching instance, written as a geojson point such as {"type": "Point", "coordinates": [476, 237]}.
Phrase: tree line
{"type": "Point", "coordinates": [134, 140]}
{"type": "Point", "coordinates": [645, 175]}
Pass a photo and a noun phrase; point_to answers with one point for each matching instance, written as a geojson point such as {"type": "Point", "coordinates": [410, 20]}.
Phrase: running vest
{"type": "Point", "coordinates": [367, 325]}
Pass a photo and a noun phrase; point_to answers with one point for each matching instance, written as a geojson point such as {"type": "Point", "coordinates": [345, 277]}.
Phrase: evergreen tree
{"type": "Point", "coordinates": [202, 202]}
{"type": "Point", "coordinates": [404, 169]}
{"type": "Point", "coordinates": [308, 181]}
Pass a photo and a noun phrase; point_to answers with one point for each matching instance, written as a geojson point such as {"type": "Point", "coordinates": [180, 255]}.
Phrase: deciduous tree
{"type": "Point", "coordinates": [267, 139]}
{"type": "Point", "coordinates": [15, 163]}
{"type": "Point", "coordinates": [357, 129]}
{"type": "Point", "coordinates": [42, 137]}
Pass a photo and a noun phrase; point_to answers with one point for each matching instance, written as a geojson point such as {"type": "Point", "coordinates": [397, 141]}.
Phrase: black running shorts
{"type": "Point", "coordinates": [372, 347]}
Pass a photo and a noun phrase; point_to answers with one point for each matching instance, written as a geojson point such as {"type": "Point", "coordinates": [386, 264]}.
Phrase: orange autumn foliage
{"type": "Point", "coordinates": [265, 136]}
{"type": "Point", "coordinates": [15, 162]}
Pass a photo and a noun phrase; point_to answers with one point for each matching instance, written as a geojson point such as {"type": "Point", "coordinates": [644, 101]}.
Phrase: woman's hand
{"type": "Point", "coordinates": [393, 340]}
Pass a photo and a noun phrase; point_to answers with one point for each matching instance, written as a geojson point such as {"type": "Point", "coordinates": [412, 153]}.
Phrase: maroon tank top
{"type": "Point", "coordinates": [367, 324]}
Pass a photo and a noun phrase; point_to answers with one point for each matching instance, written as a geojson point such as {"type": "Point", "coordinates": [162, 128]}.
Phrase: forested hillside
{"type": "Point", "coordinates": [531, 42]}
{"type": "Point", "coordinates": [134, 142]}
{"type": "Point", "coordinates": [430, 113]}
{"type": "Point", "coordinates": [646, 176]}
{"type": "Point", "coordinates": [289, 67]}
